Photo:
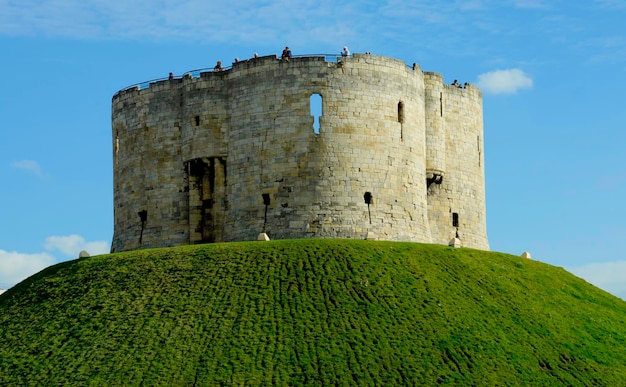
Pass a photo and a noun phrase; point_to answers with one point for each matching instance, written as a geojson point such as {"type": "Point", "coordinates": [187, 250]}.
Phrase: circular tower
{"type": "Point", "coordinates": [310, 147]}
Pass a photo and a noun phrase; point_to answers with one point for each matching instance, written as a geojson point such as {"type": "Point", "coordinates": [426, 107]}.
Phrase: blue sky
{"type": "Point", "coordinates": [553, 75]}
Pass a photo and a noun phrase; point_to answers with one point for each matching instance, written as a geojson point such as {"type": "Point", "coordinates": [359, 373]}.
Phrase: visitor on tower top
{"type": "Point", "coordinates": [345, 51]}
{"type": "Point", "coordinates": [286, 54]}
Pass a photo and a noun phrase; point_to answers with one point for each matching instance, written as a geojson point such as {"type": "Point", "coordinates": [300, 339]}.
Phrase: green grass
{"type": "Point", "coordinates": [310, 312]}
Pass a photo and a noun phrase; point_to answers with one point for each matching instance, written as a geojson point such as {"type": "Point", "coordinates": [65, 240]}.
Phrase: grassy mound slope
{"type": "Point", "coordinates": [310, 312]}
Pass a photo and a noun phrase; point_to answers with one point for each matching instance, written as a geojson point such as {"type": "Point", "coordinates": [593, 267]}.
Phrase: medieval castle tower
{"type": "Point", "coordinates": [390, 153]}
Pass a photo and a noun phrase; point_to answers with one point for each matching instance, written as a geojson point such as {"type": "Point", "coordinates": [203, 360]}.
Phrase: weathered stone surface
{"type": "Point", "coordinates": [223, 156]}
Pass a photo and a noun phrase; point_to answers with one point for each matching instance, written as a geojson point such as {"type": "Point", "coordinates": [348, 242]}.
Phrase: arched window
{"type": "Point", "coordinates": [315, 103]}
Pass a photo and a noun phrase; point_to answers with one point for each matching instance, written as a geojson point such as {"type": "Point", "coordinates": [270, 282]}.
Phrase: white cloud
{"type": "Point", "coordinates": [72, 245]}
{"type": "Point", "coordinates": [28, 166]}
{"type": "Point", "coordinates": [504, 81]}
{"type": "Point", "coordinates": [15, 267]}
{"type": "Point", "coordinates": [609, 276]}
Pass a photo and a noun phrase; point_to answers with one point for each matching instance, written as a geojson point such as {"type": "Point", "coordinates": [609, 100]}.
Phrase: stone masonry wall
{"type": "Point", "coordinates": [147, 169]}
{"type": "Point", "coordinates": [462, 190]}
{"type": "Point", "coordinates": [226, 155]}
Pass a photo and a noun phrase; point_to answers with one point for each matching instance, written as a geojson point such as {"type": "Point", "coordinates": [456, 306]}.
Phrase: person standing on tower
{"type": "Point", "coordinates": [286, 54]}
{"type": "Point", "coordinates": [345, 51]}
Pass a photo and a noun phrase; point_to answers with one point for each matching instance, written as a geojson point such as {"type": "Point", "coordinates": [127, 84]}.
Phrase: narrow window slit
{"type": "Point", "coordinates": [441, 104]}
{"type": "Point", "coordinates": [266, 202]}
{"type": "Point", "coordinates": [478, 146]}
{"type": "Point", "coordinates": [368, 200]}
{"type": "Point", "coordinates": [401, 118]}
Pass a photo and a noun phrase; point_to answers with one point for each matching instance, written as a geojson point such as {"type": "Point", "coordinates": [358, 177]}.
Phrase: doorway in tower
{"type": "Point", "coordinates": [207, 199]}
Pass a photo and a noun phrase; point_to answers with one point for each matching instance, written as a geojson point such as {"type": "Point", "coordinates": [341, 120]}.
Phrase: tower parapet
{"type": "Point", "coordinates": [394, 153]}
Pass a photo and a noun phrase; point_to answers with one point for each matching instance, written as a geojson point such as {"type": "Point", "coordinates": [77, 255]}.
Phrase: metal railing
{"type": "Point", "coordinates": [196, 73]}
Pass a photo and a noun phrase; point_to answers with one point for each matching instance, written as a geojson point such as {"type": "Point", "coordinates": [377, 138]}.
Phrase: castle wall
{"type": "Point", "coordinates": [435, 128]}
{"type": "Point", "coordinates": [205, 120]}
{"type": "Point", "coordinates": [147, 168]}
{"type": "Point", "coordinates": [462, 189]}
{"type": "Point", "coordinates": [226, 155]}
{"type": "Point", "coordinates": [317, 182]}
{"type": "Point", "coordinates": [205, 115]}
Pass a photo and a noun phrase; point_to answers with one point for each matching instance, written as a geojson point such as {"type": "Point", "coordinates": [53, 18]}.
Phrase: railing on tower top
{"type": "Point", "coordinates": [196, 73]}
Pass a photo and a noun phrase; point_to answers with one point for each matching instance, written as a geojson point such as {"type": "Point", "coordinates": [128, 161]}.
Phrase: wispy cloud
{"type": "Point", "coordinates": [301, 22]}
{"type": "Point", "coordinates": [611, 4]}
{"type": "Point", "coordinates": [604, 49]}
{"type": "Point", "coordinates": [196, 20]}
{"type": "Point", "coordinates": [611, 182]}
{"type": "Point", "coordinates": [30, 166]}
{"type": "Point", "coordinates": [464, 28]}
{"type": "Point", "coordinates": [504, 81]}
{"type": "Point", "coordinates": [533, 4]}
{"type": "Point", "coordinates": [610, 276]}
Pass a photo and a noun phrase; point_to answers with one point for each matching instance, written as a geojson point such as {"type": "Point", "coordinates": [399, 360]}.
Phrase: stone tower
{"type": "Point", "coordinates": [391, 153]}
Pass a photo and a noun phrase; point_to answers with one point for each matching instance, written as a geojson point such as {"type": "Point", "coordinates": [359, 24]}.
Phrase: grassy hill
{"type": "Point", "coordinates": [310, 312]}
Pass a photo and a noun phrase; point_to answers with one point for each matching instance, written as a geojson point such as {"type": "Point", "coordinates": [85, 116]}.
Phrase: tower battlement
{"type": "Point", "coordinates": [313, 147]}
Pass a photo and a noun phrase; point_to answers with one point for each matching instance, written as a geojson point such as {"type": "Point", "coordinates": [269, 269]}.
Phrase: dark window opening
{"type": "Point", "coordinates": [143, 217]}
{"type": "Point", "coordinates": [441, 104]}
{"type": "Point", "coordinates": [455, 219]}
{"type": "Point", "coordinates": [315, 103]}
{"type": "Point", "coordinates": [436, 178]}
{"type": "Point", "coordinates": [197, 120]}
{"type": "Point", "coordinates": [368, 200]}
{"type": "Point", "coordinates": [368, 197]}
{"type": "Point", "coordinates": [401, 118]}
{"type": "Point", "coordinates": [266, 202]}
{"type": "Point", "coordinates": [208, 201]}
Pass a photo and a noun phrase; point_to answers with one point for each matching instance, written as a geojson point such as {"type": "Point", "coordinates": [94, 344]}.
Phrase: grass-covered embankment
{"type": "Point", "coordinates": [310, 312]}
